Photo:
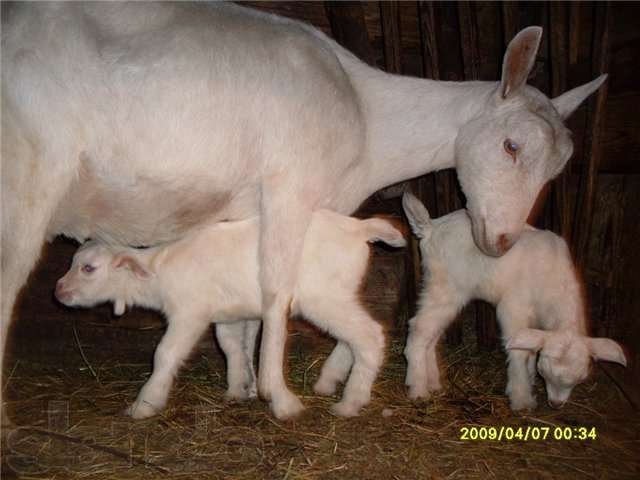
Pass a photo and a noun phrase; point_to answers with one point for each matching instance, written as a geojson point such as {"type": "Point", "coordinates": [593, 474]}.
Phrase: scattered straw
{"type": "Point", "coordinates": [201, 436]}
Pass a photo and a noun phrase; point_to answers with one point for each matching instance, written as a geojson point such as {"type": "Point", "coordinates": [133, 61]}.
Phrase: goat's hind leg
{"type": "Point", "coordinates": [335, 369]}
{"type": "Point", "coordinates": [237, 341]}
{"type": "Point", "coordinates": [360, 341]}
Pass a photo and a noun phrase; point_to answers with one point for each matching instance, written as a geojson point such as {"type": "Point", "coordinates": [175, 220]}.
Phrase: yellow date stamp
{"type": "Point", "coordinates": [526, 433]}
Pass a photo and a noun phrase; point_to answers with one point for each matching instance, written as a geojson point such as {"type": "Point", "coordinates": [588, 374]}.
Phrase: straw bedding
{"type": "Point", "coordinates": [69, 425]}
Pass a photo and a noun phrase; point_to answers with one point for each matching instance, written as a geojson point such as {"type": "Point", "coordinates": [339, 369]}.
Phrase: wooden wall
{"type": "Point", "coordinates": [594, 203]}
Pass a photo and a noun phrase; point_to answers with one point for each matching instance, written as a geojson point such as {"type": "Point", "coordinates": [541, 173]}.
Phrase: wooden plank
{"type": "Point", "coordinates": [489, 40]}
{"type": "Point", "coordinates": [574, 32]}
{"type": "Point", "coordinates": [587, 190]}
{"type": "Point", "coordinates": [390, 16]}
{"type": "Point", "coordinates": [469, 40]}
{"type": "Point", "coordinates": [349, 29]}
{"type": "Point", "coordinates": [510, 22]}
{"type": "Point", "coordinates": [610, 273]}
{"type": "Point", "coordinates": [559, 53]}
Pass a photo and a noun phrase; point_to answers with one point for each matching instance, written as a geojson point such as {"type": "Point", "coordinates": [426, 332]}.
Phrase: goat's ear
{"type": "Point", "coordinates": [519, 59]}
{"type": "Point", "coordinates": [119, 307]}
{"type": "Point", "coordinates": [417, 214]}
{"type": "Point", "coordinates": [125, 261]}
{"type": "Point", "coordinates": [607, 350]}
{"type": "Point", "coordinates": [568, 102]}
{"type": "Point", "coordinates": [527, 339]}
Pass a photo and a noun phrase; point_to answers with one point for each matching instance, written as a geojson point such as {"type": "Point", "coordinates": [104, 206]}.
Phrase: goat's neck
{"type": "Point", "coordinates": [142, 292]}
{"type": "Point", "coordinates": [412, 123]}
{"type": "Point", "coordinates": [571, 314]}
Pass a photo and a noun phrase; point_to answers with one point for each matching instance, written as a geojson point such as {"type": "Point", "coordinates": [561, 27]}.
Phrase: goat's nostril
{"type": "Point", "coordinates": [61, 293]}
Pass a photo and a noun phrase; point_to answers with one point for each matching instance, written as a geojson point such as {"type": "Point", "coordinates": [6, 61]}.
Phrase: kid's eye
{"type": "Point", "coordinates": [511, 148]}
{"type": "Point", "coordinates": [86, 268]}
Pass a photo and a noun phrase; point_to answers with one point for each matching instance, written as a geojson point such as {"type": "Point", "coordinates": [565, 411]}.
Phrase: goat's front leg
{"type": "Point", "coordinates": [519, 384]}
{"type": "Point", "coordinates": [425, 329]}
{"type": "Point", "coordinates": [33, 182]}
{"type": "Point", "coordinates": [181, 336]}
{"type": "Point", "coordinates": [283, 225]}
{"type": "Point", "coordinates": [241, 380]}
{"type": "Point", "coordinates": [513, 315]}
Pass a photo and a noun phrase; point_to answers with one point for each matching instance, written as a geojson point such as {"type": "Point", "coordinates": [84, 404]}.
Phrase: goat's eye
{"type": "Point", "coordinates": [86, 268]}
{"type": "Point", "coordinates": [511, 148]}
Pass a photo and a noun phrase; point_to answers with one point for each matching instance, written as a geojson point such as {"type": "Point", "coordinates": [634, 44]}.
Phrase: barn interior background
{"type": "Point", "coordinates": [593, 204]}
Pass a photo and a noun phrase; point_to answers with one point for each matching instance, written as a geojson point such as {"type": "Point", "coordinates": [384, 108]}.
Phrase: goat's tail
{"type": "Point", "coordinates": [383, 230]}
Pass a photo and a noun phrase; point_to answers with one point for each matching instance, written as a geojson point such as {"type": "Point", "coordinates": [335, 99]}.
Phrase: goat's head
{"type": "Point", "coordinates": [564, 358]}
{"type": "Point", "coordinates": [97, 275]}
{"type": "Point", "coordinates": [514, 147]}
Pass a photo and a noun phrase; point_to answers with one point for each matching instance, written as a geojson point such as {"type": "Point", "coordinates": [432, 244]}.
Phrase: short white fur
{"type": "Point", "coordinates": [539, 301]}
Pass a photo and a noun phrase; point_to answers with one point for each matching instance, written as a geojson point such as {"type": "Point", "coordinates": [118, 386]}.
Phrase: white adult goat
{"type": "Point", "coordinates": [212, 276]}
{"type": "Point", "coordinates": [136, 122]}
{"type": "Point", "coordinates": [538, 298]}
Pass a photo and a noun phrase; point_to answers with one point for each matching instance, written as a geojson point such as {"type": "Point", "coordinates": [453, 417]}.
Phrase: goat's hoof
{"type": "Point", "coordinates": [141, 409]}
{"type": "Point", "coordinates": [418, 393]}
{"type": "Point", "coordinates": [236, 395]}
{"type": "Point", "coordinates": [286, 407]}
{"type": "Point", "coordinates": [325, 387]}
{"type": "Point", "coordinates": [523, 403]}
{"type": "Point", "coordinates": [252, 393]}
{"type": "Point", "coordinates": [346, 409]}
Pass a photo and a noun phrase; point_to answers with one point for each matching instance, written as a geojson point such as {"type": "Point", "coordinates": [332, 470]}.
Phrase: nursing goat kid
{"type": "Point", "coordinates": [539, 304]}
{"type": "Point", "coordinates": [212, 276]}
{"type": "Point", "coordinates": [135, 123]}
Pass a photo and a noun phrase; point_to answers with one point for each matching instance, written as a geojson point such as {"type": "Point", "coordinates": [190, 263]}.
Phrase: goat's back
{"type": "Point", "coordinates": [218, 265]}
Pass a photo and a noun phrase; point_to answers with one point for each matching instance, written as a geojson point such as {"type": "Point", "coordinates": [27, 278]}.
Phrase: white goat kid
{"type": "Point", "coordinates": [136, 122]}
{"type": "Point", "coordinates": [539, 304]}
{"type": "Point", "coordinates": [212, 276]}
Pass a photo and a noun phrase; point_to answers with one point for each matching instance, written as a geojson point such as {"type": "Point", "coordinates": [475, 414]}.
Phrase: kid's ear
{"type": "Point", "coordinates": [607, 350]}
{"type": "Point", "coordinates": [527, 339]}
{"type": "Point", "coordinates": [126, 261]}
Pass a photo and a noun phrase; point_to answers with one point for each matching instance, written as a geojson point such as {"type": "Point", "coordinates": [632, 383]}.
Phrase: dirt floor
{"type": "Point", "coordinates": [69, 424]}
